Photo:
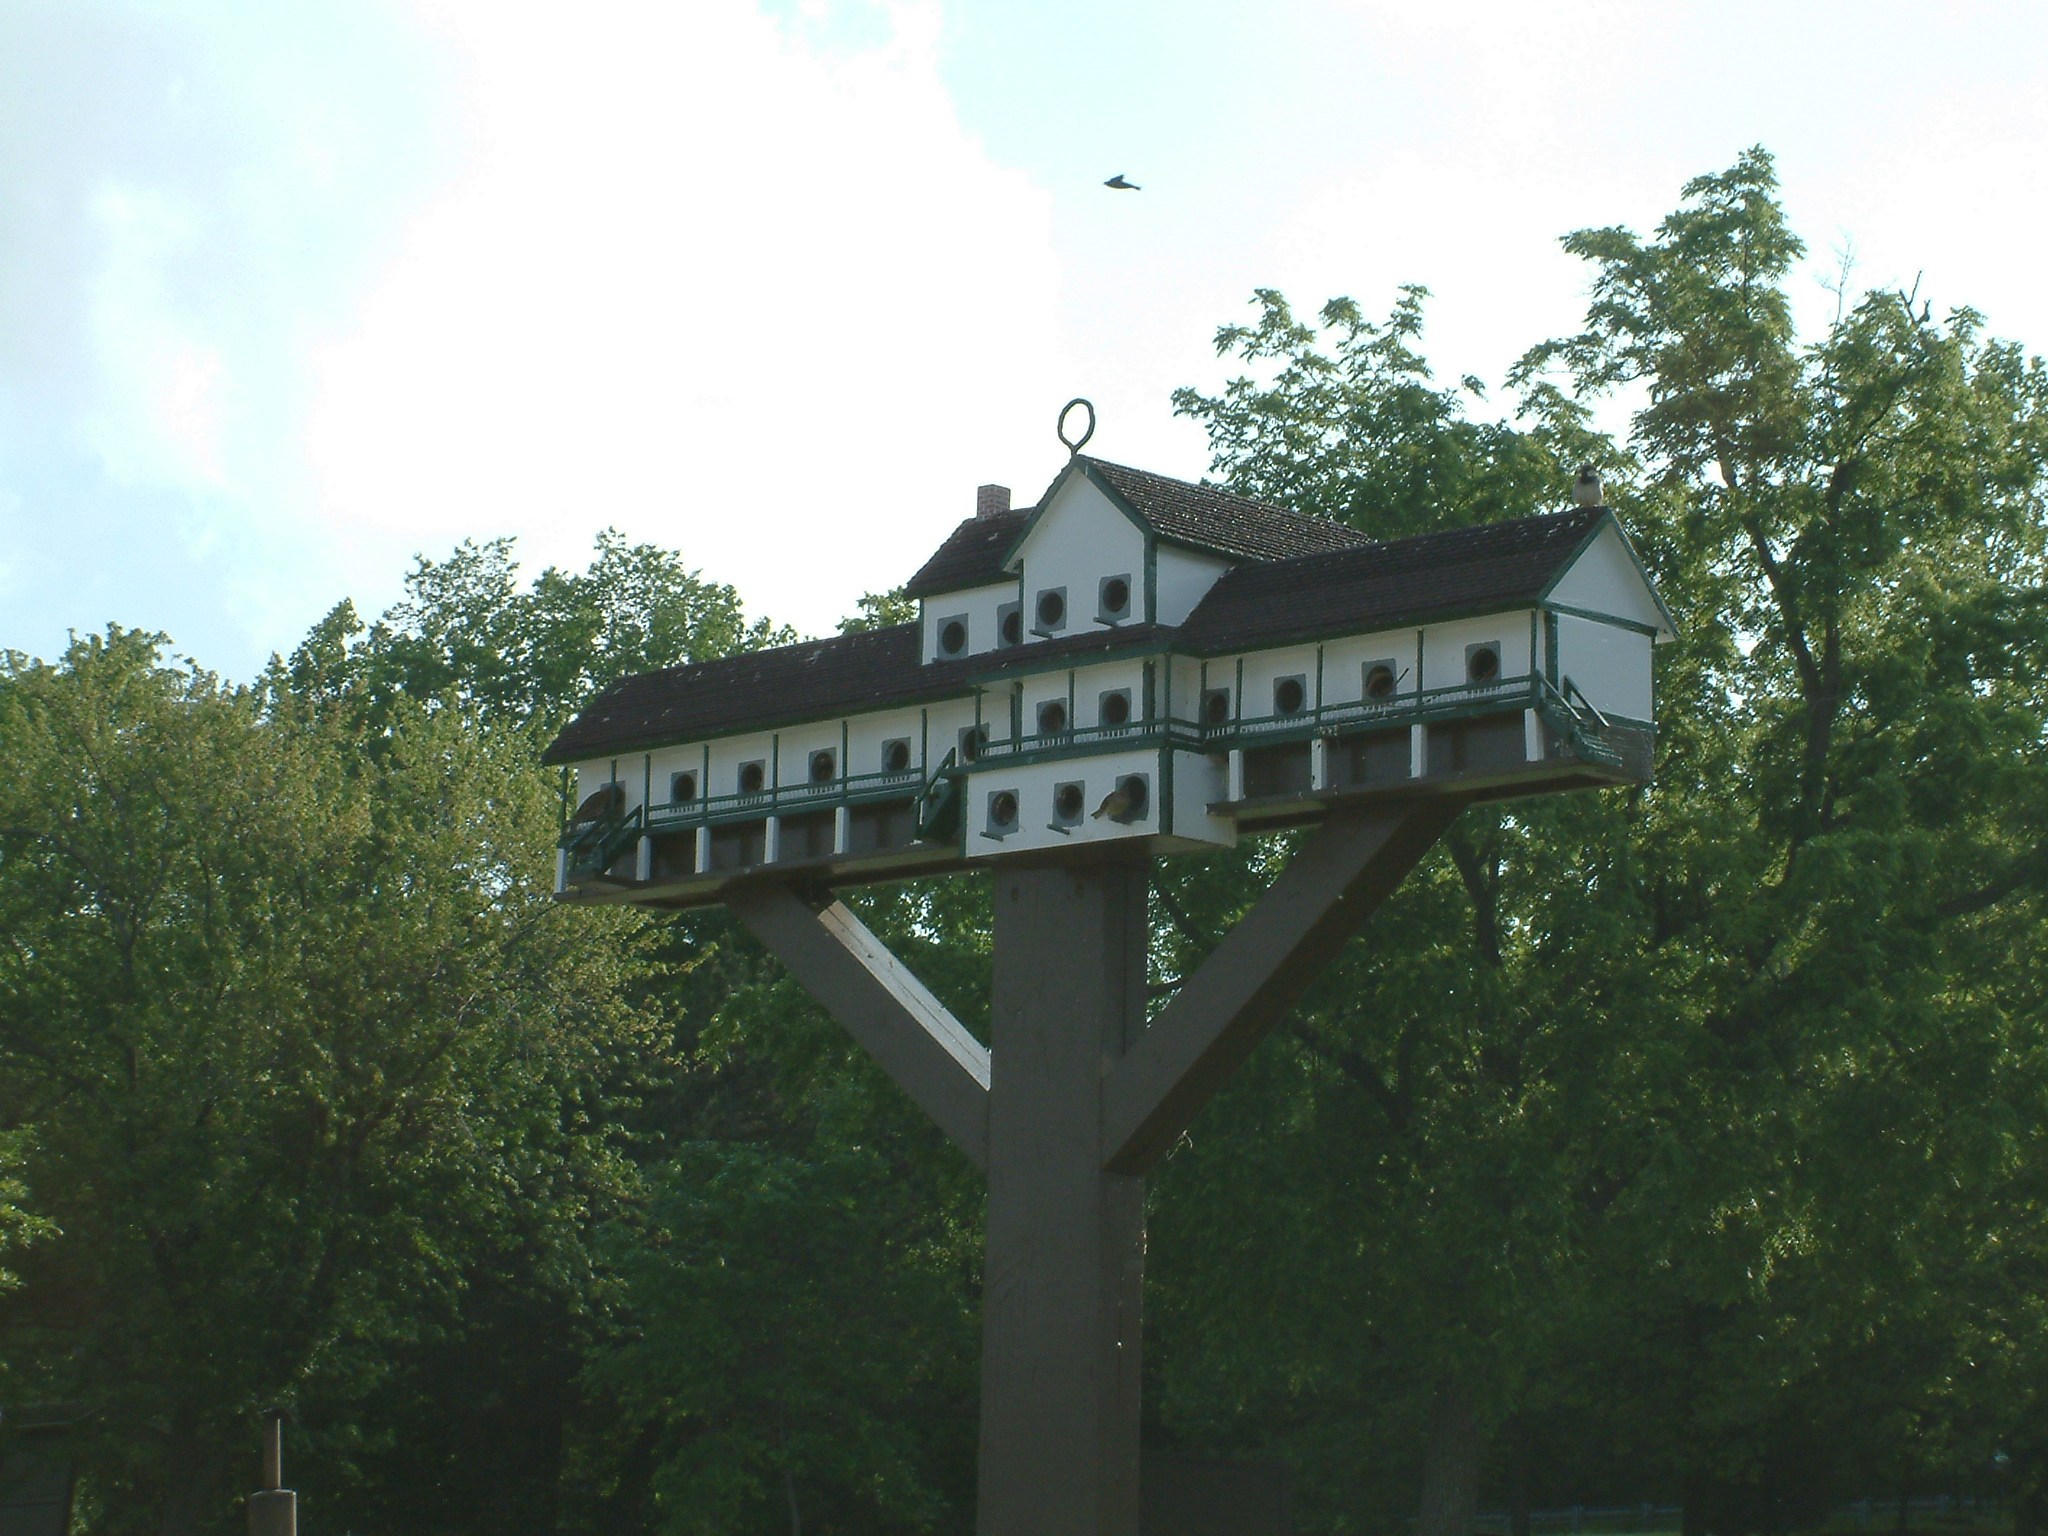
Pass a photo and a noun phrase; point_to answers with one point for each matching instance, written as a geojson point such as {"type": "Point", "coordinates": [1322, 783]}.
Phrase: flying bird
{"type": "Point", "coordinates": [1121, 803]}
{"type": "Point", "coordinates": [1117, 181]}
{"type": "Point", "coordinates": [1586, 490]}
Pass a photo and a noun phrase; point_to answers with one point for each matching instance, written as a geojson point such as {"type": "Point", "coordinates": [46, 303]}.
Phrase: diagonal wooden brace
{"type": "Point", "coordinates": [851, 975]}
{"type": "Point", "coordinates": [1349, 865]}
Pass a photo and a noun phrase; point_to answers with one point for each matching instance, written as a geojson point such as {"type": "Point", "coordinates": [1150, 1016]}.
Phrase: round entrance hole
{"type": "Point", "coordinates": [1002, 810]}
{"type": "Point", "coordinates": [1216, 707]}
{"type": "Point", "coordinates": [1116, 708]}
{"type": "Point", "coordinates": [1379, 682]}
{"type": "Point", "coordinates": [1482, 663]}
{"type": "Point", "coordinates": [1052, 718]}
{"type": "Point", "coordinates": [1067, 801]}
{"type": "Point", "coordinates": [822, 767]}
{"type": "Point", "coordinates": [752, 777]}
{"type": "Point", "coordinates": [1013, 628]}
{"type": "Point", "coordinates": [1116, 596]}
{"type": "Point", "coordinates": [1289, 696]}
{"type": "Point", "coordinates": [952, 637]}
{"type": "Point", "coordinates": [1052, 610]}
{"type": "Point", "coordinates": [895, 756]}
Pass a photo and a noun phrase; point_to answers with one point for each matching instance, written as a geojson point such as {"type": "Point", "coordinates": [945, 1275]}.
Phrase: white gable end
{"type": "Point", "coordinates": [1080, 541]}
{"type": "Point", "coordinates": [1606, 580]}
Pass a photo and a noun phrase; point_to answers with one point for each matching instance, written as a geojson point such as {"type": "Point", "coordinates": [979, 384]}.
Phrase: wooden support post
{"type": "Point", "coordinates": [852, 976]}
{"type": "Point", "coordinates": [1064, 1269]}
{"type": "Point", "coordinates": [1346, 868]}
{"type": "Point", "coordinates": [1075, 1100]}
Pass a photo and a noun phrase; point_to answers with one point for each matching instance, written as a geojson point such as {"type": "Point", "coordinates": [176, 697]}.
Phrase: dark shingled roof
{"type": "Point", "coordinates": [1332, 592]}
{"type": "Point", "coordinates": [709, 698]}
{"type": "Point", "coordinates": [1216, 520]}
{"type": "Point", "coordinates": [1433, 575]}
{"type": "Point", "coordinates": [812, 680]}
{"type": "Point", "coordinates": [972, 555]}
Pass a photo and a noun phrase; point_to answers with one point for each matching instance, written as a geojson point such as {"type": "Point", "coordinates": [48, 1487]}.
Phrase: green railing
{"type": "Point", "coordinates": [1457, 702]}
{"type": "Point", "coordinates": [785, 799]}
{"type": "Point", "coordinates": [594, 846]}
{"type": "Point", "coordinates": [1084, 740]}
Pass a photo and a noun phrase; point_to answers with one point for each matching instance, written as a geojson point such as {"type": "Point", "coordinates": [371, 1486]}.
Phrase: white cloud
{"type": "Point", "coordinates": [289, 293]}
{"type": "Point", "coordinates": [768, 305]}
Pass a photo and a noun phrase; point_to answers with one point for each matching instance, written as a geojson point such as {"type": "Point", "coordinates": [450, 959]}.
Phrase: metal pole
{"type": "Point", "coordinates": [1063, 1289]}
{"type": "Point", "coordinates": [273, 1449]}
{"type": "Point", "coordinates": [273, 1509]}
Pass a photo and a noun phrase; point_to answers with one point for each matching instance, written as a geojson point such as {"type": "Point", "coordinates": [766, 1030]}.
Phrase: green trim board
{"type": "Point", "coordinates": [1590, 616]}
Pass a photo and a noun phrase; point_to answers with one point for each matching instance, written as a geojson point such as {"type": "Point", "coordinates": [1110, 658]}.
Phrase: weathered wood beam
{"type": "Point", "coordinates": [1064, 1279]}
{"type": "Point", "coordinates": [1347, 867]}
{"type": "Point", "coordinates": [852, 975]}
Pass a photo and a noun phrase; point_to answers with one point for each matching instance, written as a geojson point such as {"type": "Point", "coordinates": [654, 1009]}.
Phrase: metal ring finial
{"type": "Point", "coordinates": [1074, 446]}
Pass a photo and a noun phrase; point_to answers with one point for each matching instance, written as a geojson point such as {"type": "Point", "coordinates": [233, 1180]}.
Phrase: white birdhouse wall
{"type": "Point", "coordinates": [977, 613]}
{"type": "Point", "coordinates": [1606, 580]}
{"type": "Point", "coordinates": [1609, 665]}
{"type": "Point", "coordinates": [1077, 545]}
{"type": "Point", "coordinates": [1181, 579]}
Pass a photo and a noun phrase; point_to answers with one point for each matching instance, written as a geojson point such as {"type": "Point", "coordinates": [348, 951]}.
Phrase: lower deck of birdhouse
{"type": "Point", "coordinates": [1260, 783]}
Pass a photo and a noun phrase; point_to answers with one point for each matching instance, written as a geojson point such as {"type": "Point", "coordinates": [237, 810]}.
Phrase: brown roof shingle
{"type": "Point", "coordinates": [1216, 520]}
{"type": "Point", "coordinates": [972, 555]}
{"type": "Point", "coordinates": [1430, 576]}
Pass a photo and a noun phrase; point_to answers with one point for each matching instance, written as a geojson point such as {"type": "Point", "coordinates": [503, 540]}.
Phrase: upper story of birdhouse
{"type": "Point", "coordinates": [1107, 549]}
{"type": "Point", "coordinates": [1133, 660]}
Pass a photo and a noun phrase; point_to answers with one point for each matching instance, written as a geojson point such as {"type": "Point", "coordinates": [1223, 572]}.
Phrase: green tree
{"type": "Point", "coordinates": [529, 656]}
{"type": "Point", "coordinates": [793, 1338]}
{"type": "Point", "coordinates": [1668, 1088]}
{"type": "Point", "coordinates": [18, 1226]}
{"type": "Point", "coordinates": [302, 1041]}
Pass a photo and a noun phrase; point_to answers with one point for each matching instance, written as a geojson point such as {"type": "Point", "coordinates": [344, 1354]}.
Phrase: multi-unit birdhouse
{"type": "Point", "coordinates": [1133, 660]}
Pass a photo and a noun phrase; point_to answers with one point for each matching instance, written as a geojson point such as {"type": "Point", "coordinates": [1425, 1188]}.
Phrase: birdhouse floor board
{"type": "Point", "coordinates": [1278, 812]}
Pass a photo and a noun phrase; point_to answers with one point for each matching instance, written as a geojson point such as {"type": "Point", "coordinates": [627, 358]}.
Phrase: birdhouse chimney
{"type": "Point", "coordinates": [991, 500]}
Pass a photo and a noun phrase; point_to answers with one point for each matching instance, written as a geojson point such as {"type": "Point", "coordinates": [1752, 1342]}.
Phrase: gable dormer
{"type": "Point", "coordinates": [1110, 545]}
{"type": "Point", "coordinates": [966, 597]}
{"type": "Point", "coordinates": [1082, 561]}
{"type": "Point", "coordinates": [1106, 547]}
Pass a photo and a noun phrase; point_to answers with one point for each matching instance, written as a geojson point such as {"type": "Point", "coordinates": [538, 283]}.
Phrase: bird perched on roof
{"type": "Point", "coordinates": [1117, 181]}
{"type": "Point", "coordinates": [1586, 490]}
{"type": "Point", "coordinates": [1123, 802]}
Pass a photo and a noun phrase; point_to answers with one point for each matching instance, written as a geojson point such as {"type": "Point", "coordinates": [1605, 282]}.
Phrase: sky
{"type": "Point", "coordinates": [292, 294]}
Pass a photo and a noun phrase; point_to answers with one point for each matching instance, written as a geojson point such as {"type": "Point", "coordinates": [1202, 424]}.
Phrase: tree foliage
{"type": "Point", "coordinates": [1606, 1098]}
